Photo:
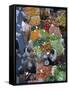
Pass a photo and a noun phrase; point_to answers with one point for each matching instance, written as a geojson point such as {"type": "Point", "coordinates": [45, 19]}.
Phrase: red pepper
{"type": "Point", "coordinates": [47, 27]}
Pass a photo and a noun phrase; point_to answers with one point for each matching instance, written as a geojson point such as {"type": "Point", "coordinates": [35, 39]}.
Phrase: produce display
{"type": "Point", "coordinates": [43, 58]}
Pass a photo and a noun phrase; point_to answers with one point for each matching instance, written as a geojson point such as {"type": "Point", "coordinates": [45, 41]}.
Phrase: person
{"type": "Point", "coordinates": [26, 30]}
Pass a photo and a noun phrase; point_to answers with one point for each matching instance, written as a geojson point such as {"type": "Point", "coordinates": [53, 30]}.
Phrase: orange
{"type": "Point", "coordinates": [35, 34]}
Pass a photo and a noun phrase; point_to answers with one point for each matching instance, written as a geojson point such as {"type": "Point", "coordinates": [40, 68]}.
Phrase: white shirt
{"type": "Point", "coordinates": [25, 26]}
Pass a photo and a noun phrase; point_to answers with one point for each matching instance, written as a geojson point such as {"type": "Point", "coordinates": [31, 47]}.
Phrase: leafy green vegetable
{"type": "Point", "coordinates": [44, 33]}
{"type": "Point", "coordinates": [57, 46]}
{"type": "Point", "coordinates": [60, 74]}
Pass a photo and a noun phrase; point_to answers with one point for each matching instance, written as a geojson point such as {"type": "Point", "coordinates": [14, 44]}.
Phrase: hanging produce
{"type": "Point", "coordinates": [34, 20]}
{"type": "Point", "coordinates": [31, 11]}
